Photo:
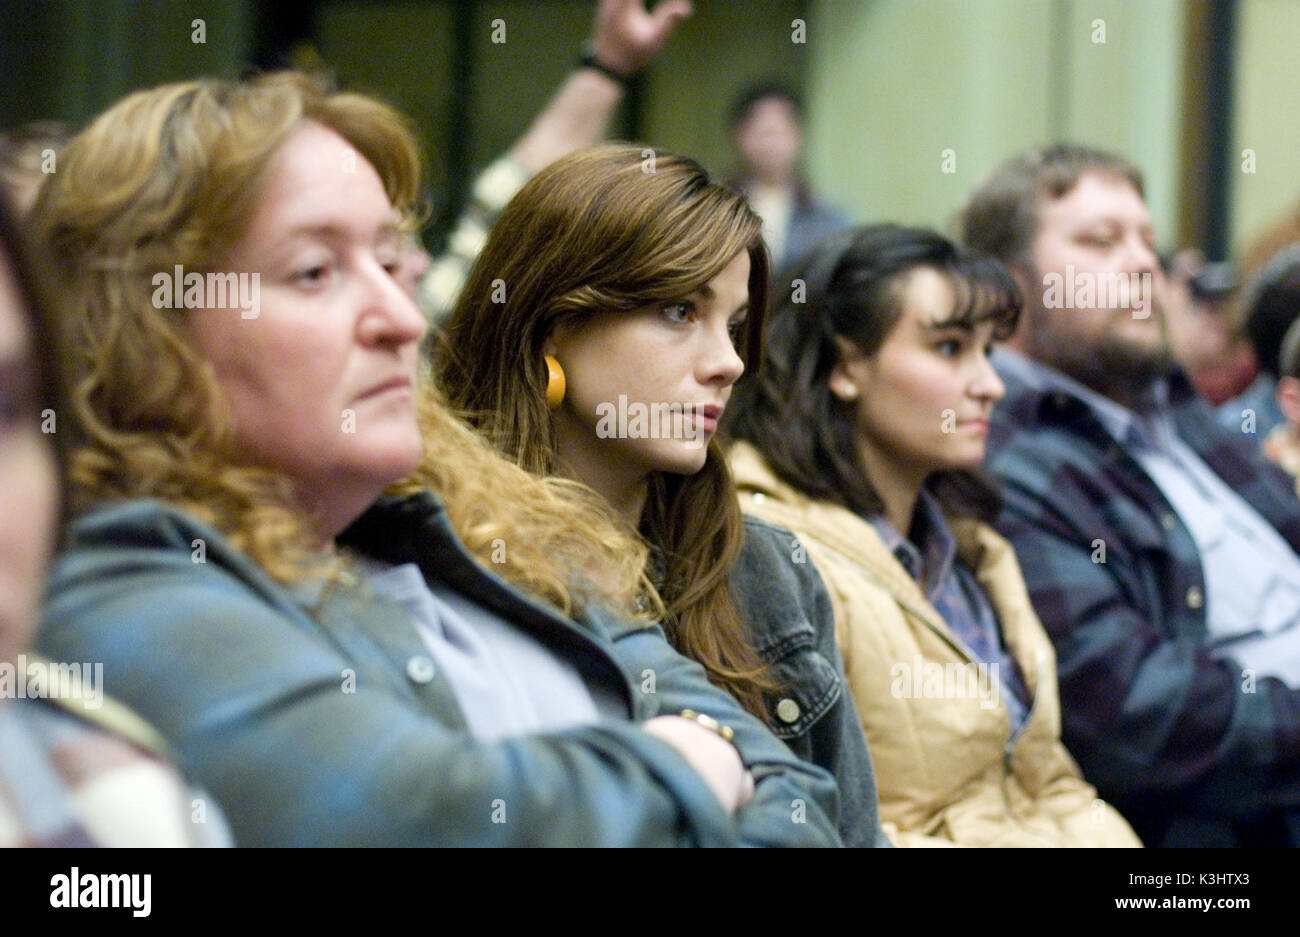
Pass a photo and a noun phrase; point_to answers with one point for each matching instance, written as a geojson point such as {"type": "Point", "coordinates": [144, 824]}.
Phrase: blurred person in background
{"type": "Point", "coordinates": [1202, 337]}
{"type": "Point", "coordinates": [1282, 445]}
{"type": "Point", "coordinates": [27, 155]}
{"type": "Point", "coordinates": [767, 130]}
{"type": "Point", "coordinates": [76, 767]}
{"type": "Point", "coordinates": [1269, 305]}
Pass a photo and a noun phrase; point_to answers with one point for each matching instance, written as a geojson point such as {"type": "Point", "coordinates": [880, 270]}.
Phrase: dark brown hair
{"type": "Point", "coordinates": [848, 287]}
{"type": "Point", "coordinates": [616, 228]}
{"type": "Point", "coordinates": [1272, 302]}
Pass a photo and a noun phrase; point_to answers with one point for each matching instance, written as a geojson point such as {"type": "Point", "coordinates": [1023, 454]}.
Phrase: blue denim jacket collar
{"type": "Point", "coordinates": [405, 528]}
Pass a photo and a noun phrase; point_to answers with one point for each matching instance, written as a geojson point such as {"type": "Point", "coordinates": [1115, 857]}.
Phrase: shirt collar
{"type": "Point", "coordinates": [1124, 425]}
{"type": "Point", "coordinates": [929, 556]}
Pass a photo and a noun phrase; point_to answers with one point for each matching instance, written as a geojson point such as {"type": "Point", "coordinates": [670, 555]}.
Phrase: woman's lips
{"type": "Point", "coordinates": [705, 417]}
{"type": "Point", "coordinates": [397, 384]}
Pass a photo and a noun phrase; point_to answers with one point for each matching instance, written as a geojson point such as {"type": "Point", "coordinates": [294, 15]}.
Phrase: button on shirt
{"type": "Point", "coordinates": [930, 557]}
{"type": "Point", "coordinates": [1252, 576]}
{"type": "Point", "coordinates": [506, 682]}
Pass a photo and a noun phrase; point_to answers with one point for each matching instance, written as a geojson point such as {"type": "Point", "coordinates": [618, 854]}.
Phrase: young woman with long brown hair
{"type": "Point", "coordinates": [598, 338]}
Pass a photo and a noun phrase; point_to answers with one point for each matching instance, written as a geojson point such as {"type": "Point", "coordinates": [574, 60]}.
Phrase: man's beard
{"type": "Point", "coordinates": [1113, 366]}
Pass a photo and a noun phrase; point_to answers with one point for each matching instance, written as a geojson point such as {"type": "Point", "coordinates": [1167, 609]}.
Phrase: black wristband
{"type": "Point", "coordinates": [589, 60]}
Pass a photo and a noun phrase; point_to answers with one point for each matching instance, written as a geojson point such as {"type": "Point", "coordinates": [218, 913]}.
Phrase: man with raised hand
{"type": "Point", "coordinates": [1160, 550]}
{"type": "Point", "coordinates": [625, 36]}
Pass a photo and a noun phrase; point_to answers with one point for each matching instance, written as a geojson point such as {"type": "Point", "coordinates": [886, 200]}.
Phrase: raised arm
{"type": "Point", "coordinates": [625, 36]}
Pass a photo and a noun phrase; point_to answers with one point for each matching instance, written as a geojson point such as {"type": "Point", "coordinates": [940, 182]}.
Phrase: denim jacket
{"type": "Point", "coordinates": [316, 717]}
{"type": "Point", "coordinates": [780, 594]}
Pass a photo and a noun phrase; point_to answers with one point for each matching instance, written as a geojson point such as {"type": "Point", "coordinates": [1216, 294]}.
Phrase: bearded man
{"type": "Point", "coordinates": [1160, 550]}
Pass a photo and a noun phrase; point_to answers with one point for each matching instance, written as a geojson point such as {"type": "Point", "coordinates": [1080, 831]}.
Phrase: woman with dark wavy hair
{"type": "Point", "coordinates": [598, 338]}
{"type": "Point", "coordinates": [863, 435]}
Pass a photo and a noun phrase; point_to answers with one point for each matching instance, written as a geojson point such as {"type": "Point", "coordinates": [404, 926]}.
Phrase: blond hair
{"type": "Point", "coordinates": [171, 176]}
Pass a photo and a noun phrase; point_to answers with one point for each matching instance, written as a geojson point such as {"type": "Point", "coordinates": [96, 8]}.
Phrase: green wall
{"type": "Point", "coordinates": [70, 59]}
{"type": "Point", "coordinates": [1268, 117]}
{"type": "Point", "coordinates": [893, 84]}
{"type": "Point", "coordinates": [890, 84]}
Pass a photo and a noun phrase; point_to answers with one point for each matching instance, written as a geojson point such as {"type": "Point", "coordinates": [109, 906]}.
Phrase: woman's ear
{"type": "Point", "coordinates": [841, 382]}
{"type": "Point", "coordinates": [555, 338]}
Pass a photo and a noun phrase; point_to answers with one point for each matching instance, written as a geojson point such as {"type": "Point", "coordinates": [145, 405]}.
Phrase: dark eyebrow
{"type": "Point", "coordinates": [944, 325]}
{"type": "Point", "coordinates": [706, 293]}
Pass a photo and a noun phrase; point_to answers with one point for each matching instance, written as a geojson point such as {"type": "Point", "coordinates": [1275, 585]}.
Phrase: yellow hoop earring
{"type": "Point", "coordinates": [555, 385]}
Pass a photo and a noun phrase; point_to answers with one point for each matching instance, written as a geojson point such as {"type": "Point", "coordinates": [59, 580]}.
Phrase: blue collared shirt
{"type": "Point", "coordinates": [1252, 576]}
{"type": "Point", "coordinates": [930, 557]}
{"type": "Point", "coordinates": [506, 682]}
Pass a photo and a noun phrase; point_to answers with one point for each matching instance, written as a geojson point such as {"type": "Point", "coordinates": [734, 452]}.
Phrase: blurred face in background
{"type": "Point", "coordinates": [769, 140]}
{"type": "Point", "coordinates": [321, 382]}
{"type": "Point", "coordinates": [1099, 233]}
{"type": "Point", "coordinates": [28, 479]}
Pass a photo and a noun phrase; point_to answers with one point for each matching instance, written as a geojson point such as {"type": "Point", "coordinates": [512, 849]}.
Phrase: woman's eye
{"type": "Point", "coordinates": [949, 347]}
{"type": "Point", "coordinates": [313, 275]}
{"type": "Point", "coordinates": [735, 330]}
{"type": "Point", "coordinates": [678, 311]}
{"type": "Point", "coordinates": [1095, 240]}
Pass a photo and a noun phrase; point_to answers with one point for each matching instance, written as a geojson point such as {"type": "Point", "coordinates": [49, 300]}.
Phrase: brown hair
{"type": "Point", "coordinates": [615, 228]}
{"type": "Point", "coordinates": [172, 176]}
{"type": "Point", "coordinates": [1001, 216]}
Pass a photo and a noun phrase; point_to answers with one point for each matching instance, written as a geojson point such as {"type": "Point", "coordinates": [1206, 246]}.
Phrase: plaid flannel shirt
{"type": "Point", "coordinates": [1191, 749]}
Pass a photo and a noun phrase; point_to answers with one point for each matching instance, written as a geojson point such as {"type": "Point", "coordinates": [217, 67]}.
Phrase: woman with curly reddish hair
{"type": "Point", "coordinates": [355, 622]}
